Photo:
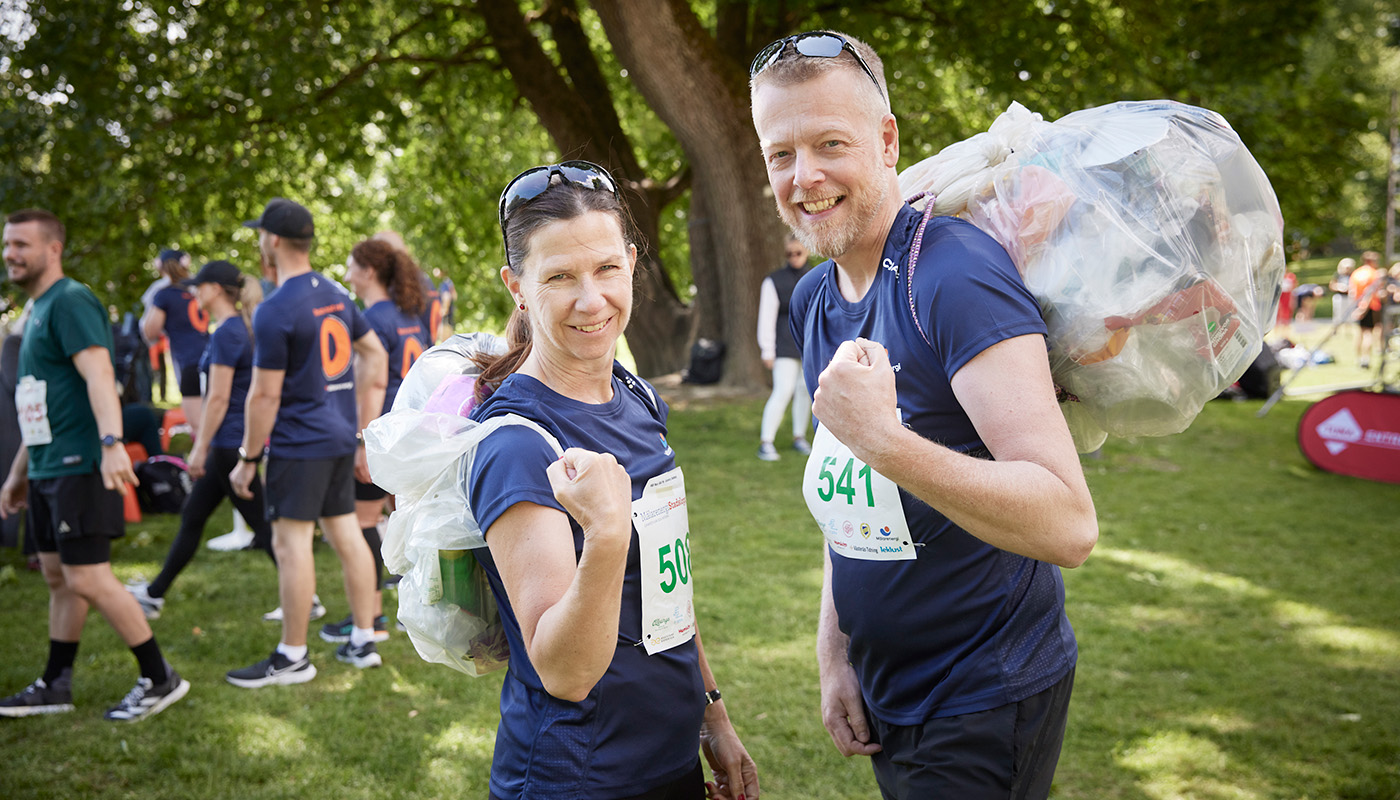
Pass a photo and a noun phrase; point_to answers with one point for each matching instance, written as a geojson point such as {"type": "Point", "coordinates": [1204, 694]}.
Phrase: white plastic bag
{"type": "Point", "coordinates": [1149, 235]}
{"type": "Point", "coordinates": [421, 452]}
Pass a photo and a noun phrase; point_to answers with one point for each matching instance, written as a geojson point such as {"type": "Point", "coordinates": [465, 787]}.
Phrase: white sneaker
{"type": "Point", "coordinates": [150, 606]}
{"type": "Point", "coordinates": [233, 540]}
{"type": "Point", "coordinates": [317, 611]}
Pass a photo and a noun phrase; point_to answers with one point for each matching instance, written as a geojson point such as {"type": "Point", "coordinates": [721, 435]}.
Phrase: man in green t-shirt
{"type": "Point", "coordinates": [72, 472]}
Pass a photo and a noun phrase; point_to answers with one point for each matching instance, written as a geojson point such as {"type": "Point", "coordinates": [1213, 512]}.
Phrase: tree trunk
{"type": "Point", "coordinates": [702, 96]}
{"type": "Point", "coordinates": [579, 114]}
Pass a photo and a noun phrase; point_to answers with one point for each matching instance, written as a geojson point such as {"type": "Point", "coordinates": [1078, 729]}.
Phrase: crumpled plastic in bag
{"type": "Point", "coordinates": [1151, 239]}
{"type": "Point", "coordinates": [421, 451]}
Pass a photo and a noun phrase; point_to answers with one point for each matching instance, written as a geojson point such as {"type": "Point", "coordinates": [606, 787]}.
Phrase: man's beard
{"type": "Point", "coordinates": [836, 237]}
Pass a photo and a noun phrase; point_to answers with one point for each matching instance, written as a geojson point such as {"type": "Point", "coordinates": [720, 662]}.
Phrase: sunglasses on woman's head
{"type": "Point", "coordinates": [533, 182]}
{"type": "Point", "coordinates": [813, 44]}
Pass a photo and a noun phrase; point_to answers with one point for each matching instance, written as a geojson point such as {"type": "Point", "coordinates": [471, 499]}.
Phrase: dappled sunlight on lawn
{"type": "Point", "coordinates": [800, 649]}
{"type": "Point", "coordinates": [1345, 646]}
{"type": "Point", "coordinates": [457, 740]}
{"type": "Point", "coordinates": [1368, 648]}
{"type": "Point", "coordinates": [271, 738]}
{"type": "Point", "coordinates": [1175, 573]}
{"type": "Point", "coordinates": [1176, 765]}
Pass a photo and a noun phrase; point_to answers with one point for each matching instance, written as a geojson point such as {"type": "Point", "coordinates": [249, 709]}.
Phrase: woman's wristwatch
{"type": "Point", "coordinates": [247, 459]}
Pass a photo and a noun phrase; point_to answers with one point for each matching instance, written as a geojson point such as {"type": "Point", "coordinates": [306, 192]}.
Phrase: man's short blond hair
{"type": "Point", "coordinates": [793, 69]}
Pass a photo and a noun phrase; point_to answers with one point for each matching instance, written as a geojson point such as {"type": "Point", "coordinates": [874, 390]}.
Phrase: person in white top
{"type": "Point", "coordinates": [780, 354]}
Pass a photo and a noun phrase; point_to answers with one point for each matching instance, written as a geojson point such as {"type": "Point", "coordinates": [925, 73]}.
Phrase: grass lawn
{"type": "Point", "coordinates": [1239, 628]}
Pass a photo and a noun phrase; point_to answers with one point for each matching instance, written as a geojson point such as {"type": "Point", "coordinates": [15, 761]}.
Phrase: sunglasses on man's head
{"type": "Point", "coordinates": [813, 44]}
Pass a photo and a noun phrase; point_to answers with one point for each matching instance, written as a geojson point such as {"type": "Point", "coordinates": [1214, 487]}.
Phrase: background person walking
{"type": "Point", "coordinates": [72, 473]}
{"type": "Point", "coordinates": [307, 396]}
{"type": "Point", "coordinates": [780, 354]}
{"type": "Point", "coordinates": [230, 298]}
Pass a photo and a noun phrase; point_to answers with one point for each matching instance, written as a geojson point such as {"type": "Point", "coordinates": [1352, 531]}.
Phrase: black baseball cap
{"type": "Point", "coordinates": [283, 217]}
{"type": "Point", "coordinates": [220, 272]}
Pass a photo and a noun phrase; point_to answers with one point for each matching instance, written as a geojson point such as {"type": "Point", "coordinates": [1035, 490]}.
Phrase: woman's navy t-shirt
{"type": "Point", "coordinates": [639, 727]}
{"type": "Point", "coordinates": [403, 338]}
{"type": "Point", "coordinates": [229, 347]}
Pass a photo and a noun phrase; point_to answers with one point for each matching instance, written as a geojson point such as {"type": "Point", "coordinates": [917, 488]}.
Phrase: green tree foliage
{"type": "Point", "coordinates": [148, 125]}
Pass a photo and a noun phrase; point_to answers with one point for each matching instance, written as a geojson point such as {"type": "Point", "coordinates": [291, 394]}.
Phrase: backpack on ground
{"type": "Point", "coordinates": [165, 484]}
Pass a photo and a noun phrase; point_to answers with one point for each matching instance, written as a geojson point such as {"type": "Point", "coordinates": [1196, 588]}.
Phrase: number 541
{"type": "Point", "coordinates": [843, 485]}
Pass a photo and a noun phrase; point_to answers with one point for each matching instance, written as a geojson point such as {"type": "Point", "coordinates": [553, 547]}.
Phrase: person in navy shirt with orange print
{"type": "Point", "coordinates": [386, 281]}
{"type": "Point", "coordinates": [231, 298]}
{"type": "Point", "coordinates": [175, 313]}
{"type": "Point", "coordinates": [313, 403]}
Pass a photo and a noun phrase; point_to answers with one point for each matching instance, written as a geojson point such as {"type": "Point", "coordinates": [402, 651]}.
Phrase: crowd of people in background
{"type": "Point", "coordinates": [1363, 295]}
{"type": "Point", "coordinates": [305, 375]}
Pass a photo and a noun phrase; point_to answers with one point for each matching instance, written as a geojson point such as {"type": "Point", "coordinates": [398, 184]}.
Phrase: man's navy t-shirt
{"type": "Point", "coordinates": [964, 627]}
{"type": "Point", "coordinates": [308, 329]}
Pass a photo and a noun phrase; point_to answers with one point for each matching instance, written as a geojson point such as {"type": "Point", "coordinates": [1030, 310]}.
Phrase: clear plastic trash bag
{"type": "Point", "coordinates": [420, 452]}
{"type": "Point", "coordinates": [1151, 239]}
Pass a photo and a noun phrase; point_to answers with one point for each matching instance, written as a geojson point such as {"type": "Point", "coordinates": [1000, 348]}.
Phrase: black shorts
{"type": "Point", "coordinates": [1370, 318]}
{"type": "Point", "coordinates": [76, 517]}
{"type": "Point", "coordinates": [308, 489]}
{"type": "Point", "coordinates": [189, 381]}
{"type": "Point", "coordinates": [369, 491]}
{"type": "Point", "coordinates": [1006, 752]}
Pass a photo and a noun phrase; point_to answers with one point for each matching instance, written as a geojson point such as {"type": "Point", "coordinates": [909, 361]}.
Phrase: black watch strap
{"type": "Point", "coordinates": [712, 696]}
{"type": "Point", "coordinates": [247, 459]}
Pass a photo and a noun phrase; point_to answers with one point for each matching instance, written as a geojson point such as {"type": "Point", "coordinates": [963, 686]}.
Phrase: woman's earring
{"type": "Point", "coordinates": [522, 306]}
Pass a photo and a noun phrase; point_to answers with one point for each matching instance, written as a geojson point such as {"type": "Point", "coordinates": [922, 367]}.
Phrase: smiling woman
{"type": "Point", "coordinates": [609, 694]}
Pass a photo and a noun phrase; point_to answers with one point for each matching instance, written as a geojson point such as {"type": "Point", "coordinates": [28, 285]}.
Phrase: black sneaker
{"type": "Point", "coordinates": [364, 656]}
{"type": "Point", "coordinates": [147, 699]}
{"type": "Point", "coordinates": [340, 631]}
{"type": "Point", "coordinates": [275, 669]}
{"type": "Point", "coordinates": [41, 698]}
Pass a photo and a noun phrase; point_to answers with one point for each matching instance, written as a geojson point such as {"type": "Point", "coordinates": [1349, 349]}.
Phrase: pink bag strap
{"type": "Point", "coordinates": [914, 260]}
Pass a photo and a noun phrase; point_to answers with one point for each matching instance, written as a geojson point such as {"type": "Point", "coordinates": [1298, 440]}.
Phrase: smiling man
{"type": "Point", "coordinates": [71, 474]}
{"type": "Point", "coordinates": [942, 475]}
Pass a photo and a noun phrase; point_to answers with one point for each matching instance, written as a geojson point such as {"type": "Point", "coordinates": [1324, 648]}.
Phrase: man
{"type": "Point", "coordinates": [72, 473]}
{"type": "Point", "coordinates": [780, 354]}
{"type": "Point", "coordinates": [943, 474]}
{"type": "Point", "coordinates": [306, 395]}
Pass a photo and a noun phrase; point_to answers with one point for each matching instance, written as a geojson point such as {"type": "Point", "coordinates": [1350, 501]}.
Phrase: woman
{"type": "Point", "coordinates": [608, 693]}
{"type": "Point", "coordinates": [387, 280]}
{"type": "Point", "coordinates": [175, 314]}
{"type": "Point", "coordinates": [229, 297]}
